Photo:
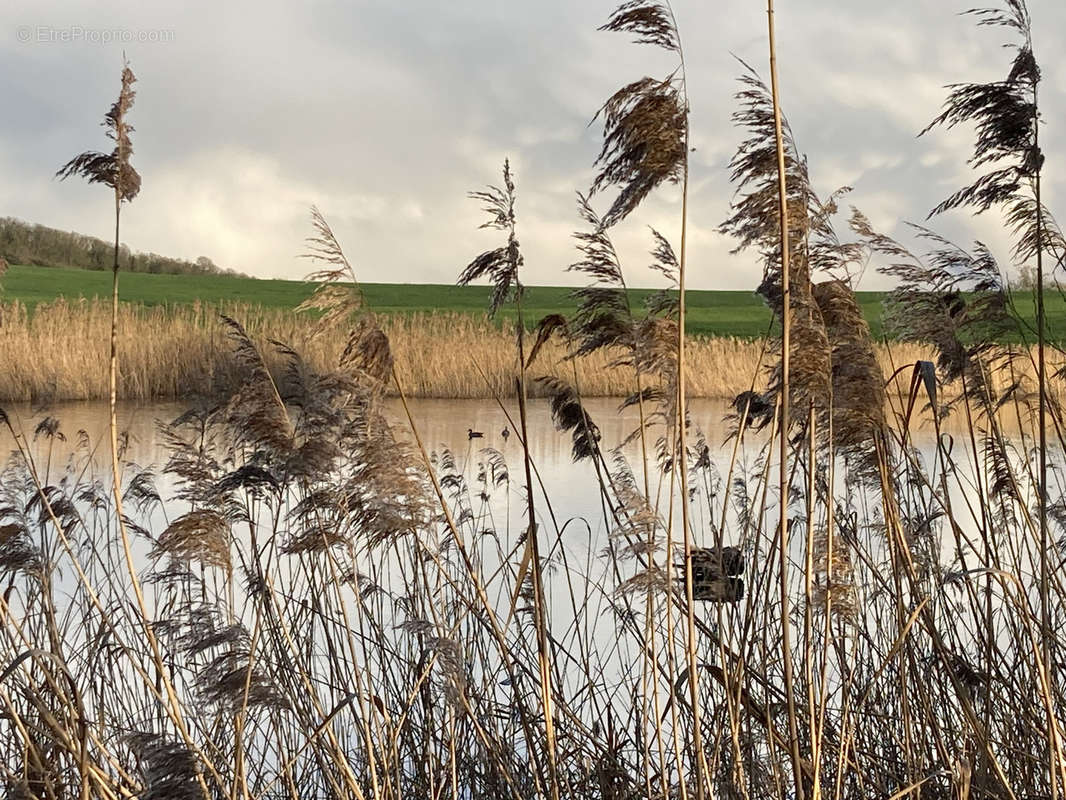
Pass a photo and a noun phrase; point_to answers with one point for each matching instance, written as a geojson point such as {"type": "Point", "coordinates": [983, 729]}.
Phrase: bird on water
{"type": "Point", "coordinates": [471, 434]}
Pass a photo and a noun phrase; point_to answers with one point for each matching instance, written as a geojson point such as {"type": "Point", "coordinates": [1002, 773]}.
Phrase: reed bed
{"type": "Point", "coordinates": [342, 615]}
{"type": "Point", "coordinates": [54, 353]}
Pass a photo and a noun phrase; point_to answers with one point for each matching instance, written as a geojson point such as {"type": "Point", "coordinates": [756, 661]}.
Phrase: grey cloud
{"type": "Point", "coordinates": [385, 113]}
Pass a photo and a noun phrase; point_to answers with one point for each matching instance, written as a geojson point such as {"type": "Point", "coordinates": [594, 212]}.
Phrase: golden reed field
{"type": "Point", "coordinates": [56, 354]}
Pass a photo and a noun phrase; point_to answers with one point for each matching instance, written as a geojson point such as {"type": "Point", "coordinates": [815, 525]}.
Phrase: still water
{"type": "Point", "coordinates": [441, 424]}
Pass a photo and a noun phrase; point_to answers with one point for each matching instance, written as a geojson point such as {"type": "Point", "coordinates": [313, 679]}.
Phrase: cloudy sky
{"type": "Point", "coordinates": [385, 113]}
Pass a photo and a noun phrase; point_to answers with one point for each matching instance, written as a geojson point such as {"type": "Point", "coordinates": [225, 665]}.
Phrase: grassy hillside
{"type": "Point", "coordinates": [711, 313]}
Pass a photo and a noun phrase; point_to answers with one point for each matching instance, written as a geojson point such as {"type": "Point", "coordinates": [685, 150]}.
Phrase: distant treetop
{"type": "Point", "coordinates": [37, 245]}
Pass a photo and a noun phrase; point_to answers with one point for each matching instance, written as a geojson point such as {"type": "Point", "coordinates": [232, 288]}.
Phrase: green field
{"type": "Point", "coordinates": [710, 313]}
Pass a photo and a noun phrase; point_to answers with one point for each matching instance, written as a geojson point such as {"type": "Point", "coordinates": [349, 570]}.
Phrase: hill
{"type": "Point", "coordinates": [29, 243]}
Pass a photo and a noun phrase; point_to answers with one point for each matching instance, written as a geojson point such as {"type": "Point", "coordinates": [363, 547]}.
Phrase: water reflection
{"type": "Point", "coordinates": [441, 425]}
{"type": "Point", "coordinates": [572, 489]}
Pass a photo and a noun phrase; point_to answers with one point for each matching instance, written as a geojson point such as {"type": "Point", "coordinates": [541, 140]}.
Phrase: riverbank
{"type": "Point", "coordinates": [59, 353]}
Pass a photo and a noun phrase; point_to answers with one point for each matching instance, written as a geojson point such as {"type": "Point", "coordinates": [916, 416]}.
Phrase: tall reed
{"type": "Point", "coordinates": [1007, 116]}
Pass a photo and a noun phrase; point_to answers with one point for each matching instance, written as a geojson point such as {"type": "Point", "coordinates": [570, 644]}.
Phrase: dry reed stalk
{"type": "Point", "coordinates": [115, 171]}
{"type": "Point", "coordinates": [645, 144]}
{"type": "Point", "coordinates": [785, 396]}
{"type": "Point", "coordinates": [1007, 118]}
{"type": "Point", "coordinates": [502, 266]}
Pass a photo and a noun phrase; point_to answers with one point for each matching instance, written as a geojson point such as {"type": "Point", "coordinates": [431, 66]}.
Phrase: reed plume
{"type": "Point", "coordinates": [570, 416]}
{"type": "Point", "coordinates": [1006, 118]}
{"type": "Point", "coordinates": [858, 385]}
{"type": "Point", "coordinates": [500, 265]}
{"type": "Point", "coordinates": [755, 222]}
{"type": "Point", "coordinates": [202, 536]}
{"type": "Point", "coordinates": [546, 328]}
{"type": "Point", "coordinates": [115, 171]}
{"type": "Point", "coordinates": [112, 169]}
{"type": "Point", "coordinates": [1005, 115]}
{"type": "Point", "coordinates": [954, 299]}
{"type": "Point", "coordinates": [18, 552]}
{"type": "Point", "coordinates": [169, 770]}
{"type": "Point", "coordinates": [604, 317]}
{"type": "Point", "coordinates": [606, 321]}
{"type": "Point", "coordinates": [646, 140]}
{"type": "Point", "coordinates": [258, 413]}
{"type": "Point", "coordinates": [645, 123]}
{"type": "Point", "coordinates": [337, 296]}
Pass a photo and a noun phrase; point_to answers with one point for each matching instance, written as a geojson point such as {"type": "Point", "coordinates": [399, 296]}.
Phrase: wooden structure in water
{"type": "Point", "coordinates": [716, 574]}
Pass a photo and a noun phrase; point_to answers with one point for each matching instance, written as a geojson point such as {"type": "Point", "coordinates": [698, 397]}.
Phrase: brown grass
{"type": "Point", "coordinates": [55, 353]}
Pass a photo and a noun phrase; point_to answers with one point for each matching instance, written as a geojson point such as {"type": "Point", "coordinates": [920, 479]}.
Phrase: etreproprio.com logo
{"type": "Point", "coordinates": [83, 34]}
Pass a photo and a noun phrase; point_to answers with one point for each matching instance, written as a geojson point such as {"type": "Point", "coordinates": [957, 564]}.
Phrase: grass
{"type": "Point", "coordinates": [740, 314]}
{"type": "Point", "coordinates": [709, 313]}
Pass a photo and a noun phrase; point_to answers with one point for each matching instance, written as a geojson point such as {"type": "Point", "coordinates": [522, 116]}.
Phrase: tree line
{"type": "Point", "coordinates": [38, 245]}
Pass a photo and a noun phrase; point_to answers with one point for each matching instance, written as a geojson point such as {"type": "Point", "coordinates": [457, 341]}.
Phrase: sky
{"type": "Point", "coordinates": [386, 113]}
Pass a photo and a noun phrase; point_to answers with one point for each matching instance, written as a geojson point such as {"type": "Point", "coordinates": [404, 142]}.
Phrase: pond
{"type": "Point", "coordinates": [441, 424]}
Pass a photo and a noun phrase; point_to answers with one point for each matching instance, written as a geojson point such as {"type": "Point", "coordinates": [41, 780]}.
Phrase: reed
{"type": "Point", "coordinates": [53, 354]}
{"type": "Point", "coordinates": [328, 637]}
